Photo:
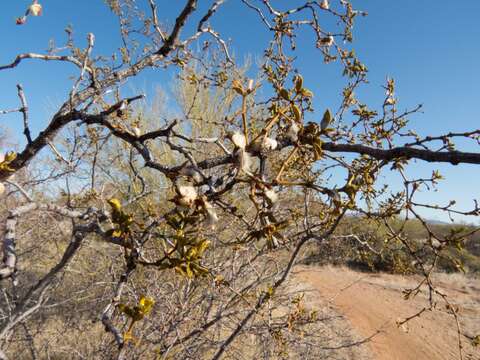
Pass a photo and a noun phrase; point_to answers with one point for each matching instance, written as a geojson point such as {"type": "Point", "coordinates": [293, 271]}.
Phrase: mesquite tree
{"type": "Point", "coordinates": [186, 223]}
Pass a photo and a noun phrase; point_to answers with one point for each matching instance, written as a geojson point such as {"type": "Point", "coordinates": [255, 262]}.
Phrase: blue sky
{"type": "Point", "coordinates": [431, 48]}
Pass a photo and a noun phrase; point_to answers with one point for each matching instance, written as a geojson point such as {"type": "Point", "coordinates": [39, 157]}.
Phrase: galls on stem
{"type": "Point", "coordinates": [243, 159]}
{"type": "Point", "coordinates": [263, 143]}
{"type": "Point", "coordinates": [186, 195]}
{"type": "Point", "coordinates": [136, 131]}
{"type": "Point", "coordinates": [271, 195]}
{"type": "Point", "coordinates": [292, 132]}
{"type": "Point", "coordinates": [269, 143]}
{"type": "Point", "coordinates": [239, 140]}
{"type": "Point", "coordinates": [35, 9]}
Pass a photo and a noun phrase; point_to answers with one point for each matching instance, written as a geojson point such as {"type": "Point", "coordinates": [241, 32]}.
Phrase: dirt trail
{"type": "Point", "coordinates": [373, 303]}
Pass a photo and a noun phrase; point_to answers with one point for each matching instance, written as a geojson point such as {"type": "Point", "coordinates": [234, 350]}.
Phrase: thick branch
{"type": "Point", "coordinates": [9, 247]}
{"type": "Point", "coordinates": [67, 112]}
{"type": "Point", "coordinates": [58, 122]}
{"type": "Point", "coordinates": [179, 24]}
{"type": "Point", "coordinates": [452, 157]}
{"type": "Point", "coordinates": [23, 309]}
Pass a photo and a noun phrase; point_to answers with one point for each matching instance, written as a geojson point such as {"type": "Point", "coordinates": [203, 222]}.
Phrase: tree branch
{"type": "Point", "coordinates": [21, 57]}
{"type": "Point", "coordinates": [266, 296]}
{"type": "Point", "coordinates": [452, 157]}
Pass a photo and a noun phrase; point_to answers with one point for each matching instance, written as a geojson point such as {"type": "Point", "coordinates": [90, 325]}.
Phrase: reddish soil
{"type": "Point", "coordinates": [372, 304]}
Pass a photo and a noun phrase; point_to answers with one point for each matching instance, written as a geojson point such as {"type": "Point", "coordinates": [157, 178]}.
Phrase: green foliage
{"type": "Point", "coordinates": [139, 311]}
{"type": "Point", "coordinates": [121, 220]}
{"type": "Point", "coordinates": [459, 255]}
{"type": "Point", "coordinates": [135, 314]}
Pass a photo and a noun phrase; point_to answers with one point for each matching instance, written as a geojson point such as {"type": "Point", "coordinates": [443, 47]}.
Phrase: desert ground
{"type": "Point", "coordinates": [371, 304]}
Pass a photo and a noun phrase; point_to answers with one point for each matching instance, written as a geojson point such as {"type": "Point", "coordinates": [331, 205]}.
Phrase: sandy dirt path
{"type": "Point", "coordinates": [373, 303]}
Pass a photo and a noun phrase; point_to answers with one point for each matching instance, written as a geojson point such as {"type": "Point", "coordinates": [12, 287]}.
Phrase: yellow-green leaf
{"type": "Point", "coordinates": [307, 93]}
{"type": "Point", "coordinates": [115, 204]}
{"type": "Point", "coordinates": [146, 304]}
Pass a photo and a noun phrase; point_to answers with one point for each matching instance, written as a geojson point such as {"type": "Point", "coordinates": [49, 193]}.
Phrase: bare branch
{"type": "Point", "coordinates": [24, 111]}
{"type": "Point", "coordinates": [21, 57]}
{"type": "Point", "coordinates": [169, 44]}
{"type": "Point", "coordinates": [91, 40]}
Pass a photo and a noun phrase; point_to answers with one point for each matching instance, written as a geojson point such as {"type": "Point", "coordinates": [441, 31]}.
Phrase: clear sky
{"type": "Point", "coordinates": [430, 47]}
